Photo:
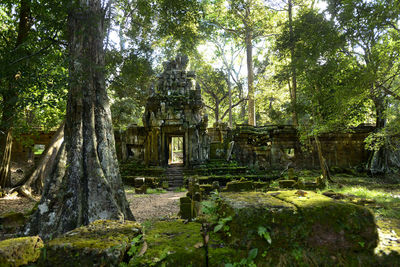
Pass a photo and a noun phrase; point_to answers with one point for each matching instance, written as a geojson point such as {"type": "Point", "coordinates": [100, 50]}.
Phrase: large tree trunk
{"type": "Point", "coordinates": [90, 187]}
{"type": "Point", "coordinates": [216, 111]}
{"type": "Point", "coordinates": [379, 162]}
{"type": "Point", "coordinates": [322, 162]}
{"type": "Point", "coordinates": [250, 77]}
{"type": "Point", "coordinates": [230, 100]}
{"type": "Point", "coordinates": [10, 100]}
{"type": "Point", "coordinates": [5, 174]}
{"type": "Point", "coordinates": [293, 88]}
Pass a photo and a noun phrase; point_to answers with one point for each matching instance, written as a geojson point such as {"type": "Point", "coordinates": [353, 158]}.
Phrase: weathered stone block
{"type": "Point", "coordinates": [261, 185]}
{"type": "Point", "coordinates": [20, 251]}
{"type": "Point", "coordinates": [12, 221]}
{"type": "Point", "coordinates": [297, 219]}
{"type": "Point", "coordinates": [141, 190]}
{"type": "Point", "coordinates": [311, 185]}
{"type": "Point", "coordinates": [206, 188]}
{"type": "Point", "coordinates": [287, 183]}
{"type": "Point", "coordinates": [238, 186]}
{"type": "Point", "coordinates": [102, 243]}
{"type": "Point", "coordinates": [139, 181]}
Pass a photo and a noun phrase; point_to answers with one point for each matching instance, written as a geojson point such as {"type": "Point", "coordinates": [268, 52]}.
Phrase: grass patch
{"type": "Point", "coordinates": [180, 189]}
{"type": "Point", "coordinates": [384, 194]}
{"type": "Point", "coordinates": [155, 191]}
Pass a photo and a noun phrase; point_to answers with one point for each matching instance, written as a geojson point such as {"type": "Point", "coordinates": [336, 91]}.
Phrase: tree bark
{"type": "Point", "coordinates": [379, 163]}
{"type": "Point", "coordinates": [250, 77]}
{"type": "Point", "coordinates": [85, 185]}
{"type": "Point", "coordinates": [10, 100]}
{"type": "Point", "coordinates": [230, 100]}
{"type": "Point", "coordinates": [5, 173]}
{"type": "Point", "coordinates": [293, 88]}
{"type": "Point", "coordinates": [322, 162]}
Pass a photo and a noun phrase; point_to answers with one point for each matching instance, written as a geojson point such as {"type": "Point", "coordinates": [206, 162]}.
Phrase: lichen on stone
{"type": "Point", "coordinates": [20, 251]}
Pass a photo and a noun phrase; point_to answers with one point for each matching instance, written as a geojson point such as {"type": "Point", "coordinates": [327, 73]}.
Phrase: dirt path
{"type": "Point", "coordinates": [154, 206]}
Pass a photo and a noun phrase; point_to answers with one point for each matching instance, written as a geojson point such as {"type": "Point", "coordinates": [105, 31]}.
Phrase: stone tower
{"type": "Point", "coordinates": [175, 109]}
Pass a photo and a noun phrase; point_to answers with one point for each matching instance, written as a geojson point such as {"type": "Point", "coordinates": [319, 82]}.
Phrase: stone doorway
{"type": "Point", "coordinates": [176, 150]}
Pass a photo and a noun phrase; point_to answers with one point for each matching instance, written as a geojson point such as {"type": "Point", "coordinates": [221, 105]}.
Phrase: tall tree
{"type": "Point", "coordinates": [215, 85]}
{"type": "Point", "coordinates": [9, 95]}
{"type": "Point", "coordinates": [247, 21]}
{"type": "Point", "coordinates": [370, 28]}
{"type": "Point", "coordinates": [31, 69]}
{"type": "Point", "coordinates": [85, 184]}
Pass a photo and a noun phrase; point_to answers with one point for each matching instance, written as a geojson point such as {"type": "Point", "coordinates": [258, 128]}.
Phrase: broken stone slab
{"type": "Point", "coordinates": [101, 243]}
{"type": "Point", "coordinates": [290, 219]}
{"type": "Point", "coordinates": [20, 251]}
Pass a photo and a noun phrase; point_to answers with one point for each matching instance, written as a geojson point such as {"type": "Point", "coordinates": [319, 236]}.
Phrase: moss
{"type": "Point", "coordinates": [287, 183]}
{"type": "Point", "coordinates": [20, 251]}
{"type": "Point", "coordinates": [102, 242]}
{"type": "Point", "coordinates": [178, 243]}
{"type": "Point", "coordinates": [313, 221]}
{"type": "Point", "coordinates": [172, 243]}
{"type": "Point", "coordinates": [12, 221]}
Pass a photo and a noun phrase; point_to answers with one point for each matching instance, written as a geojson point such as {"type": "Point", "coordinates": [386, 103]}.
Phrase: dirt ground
{"type": "Point", "coordinates": [154, 206]}
{"type": "Point", "coordinates": [144, 207]}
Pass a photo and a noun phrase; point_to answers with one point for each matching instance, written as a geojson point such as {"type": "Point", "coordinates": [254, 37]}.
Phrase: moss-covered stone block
{"type": "Point", "coordinates": [261, 185]}
{"type": "Point", "coordinates": [176, 243]}
{"type": "Point", "coordinates": [20, 251]}
{"type": "Point", "coordinates": [188, 209]}
{"type": "Point", "coordinates": [141, 190]}
{"type": "Point", "coordinates": [101, 243]}
{"type": "Point", "coordinates": [334, 224]}
{"type": "Point", "coordinates": [238, 186]}
{"type": "Point", "coordinates": [206, 188]}
{"type": "Point", "coordinates": [12, 221]}
{"type": "Point", "coordinates": [172, 243]}
{"type": "Point", "coordinates": [287, 183]}
{"type": "Point", "coordinates": [296, 219]}
{"type": "Point", "coordinates": [185, 208]}
{"type": "Point", "coordinates": [310, 185]}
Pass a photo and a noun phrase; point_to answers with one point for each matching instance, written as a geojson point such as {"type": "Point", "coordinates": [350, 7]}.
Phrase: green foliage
{"type": "Point", "coordinates": [33, 68]}
{"type": "Point", "coordinates": [249, 261]}
{"type": "Point", "coordinates": [222, 225]}
{"type": "Point", "coordinates": [263, 232]}
{"type": "Point", "coordinates": [155, 191]}
{"type": "Point", "coordinates": [135, 244]}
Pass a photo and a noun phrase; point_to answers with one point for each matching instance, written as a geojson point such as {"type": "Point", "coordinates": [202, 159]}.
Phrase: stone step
{"type": "Point", "coordinates": [174, 175]}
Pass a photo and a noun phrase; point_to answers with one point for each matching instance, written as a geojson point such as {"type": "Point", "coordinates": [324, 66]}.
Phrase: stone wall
{"type": "Point", "coordinates": [22, 149]}
{"type": "Point", "coordinates": [275, 146]}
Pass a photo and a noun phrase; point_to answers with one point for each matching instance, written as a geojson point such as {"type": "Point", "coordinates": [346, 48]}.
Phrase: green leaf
{"type": "Point", "coordinates": [261, 230]}
{"type": "Point", "coordinates": [253, 254]}
{"type": "Point", "coordinates": [218, 227]}
{"type": "Point", "coordinates": [267, 237]}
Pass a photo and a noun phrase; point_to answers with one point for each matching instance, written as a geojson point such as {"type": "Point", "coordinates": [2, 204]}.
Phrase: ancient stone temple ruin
{"type": "Point", "coordinates": [175, 130]}
{"type": "Point", "coordinates": [174, 111]}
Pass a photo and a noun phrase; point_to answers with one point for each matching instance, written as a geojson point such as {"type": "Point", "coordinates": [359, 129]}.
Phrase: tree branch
{"type": "Point", "coordinates": [234, 105]}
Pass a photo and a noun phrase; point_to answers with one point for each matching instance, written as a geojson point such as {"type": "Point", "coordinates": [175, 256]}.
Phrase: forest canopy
{"type": "Point", "coordinates": [318, 65]}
